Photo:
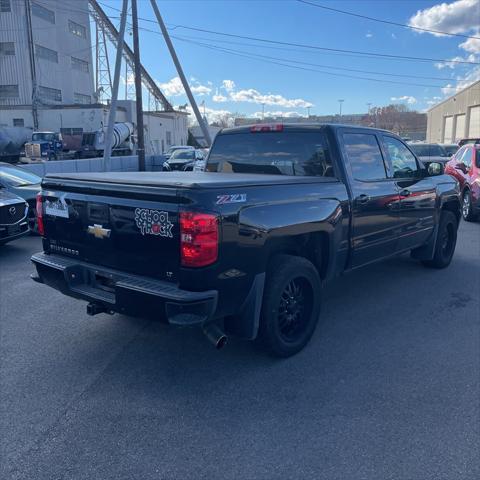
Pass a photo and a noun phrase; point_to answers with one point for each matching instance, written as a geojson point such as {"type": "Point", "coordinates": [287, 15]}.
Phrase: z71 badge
{"type": "Point", "coordinates": [235, 198]}
{"type": "Point", "coordinates": [153, 222]}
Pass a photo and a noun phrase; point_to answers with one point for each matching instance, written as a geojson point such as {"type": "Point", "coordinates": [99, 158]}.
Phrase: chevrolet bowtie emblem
{"type": "Point", "coordinates": [98, 231]}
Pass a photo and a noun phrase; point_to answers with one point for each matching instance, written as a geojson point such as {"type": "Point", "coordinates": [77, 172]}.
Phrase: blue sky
{"type": "Point", "coordinates": [233, 83]}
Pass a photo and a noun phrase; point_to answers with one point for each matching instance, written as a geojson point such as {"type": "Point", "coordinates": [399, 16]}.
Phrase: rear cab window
{"type": "Point", "coordinates": [281, 152]}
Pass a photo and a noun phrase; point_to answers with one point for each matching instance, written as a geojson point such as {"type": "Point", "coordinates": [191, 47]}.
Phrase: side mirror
{"type": "Point", "coordinates": [461, 166]}
{"type": "Point", "coordinates": [434, 169]}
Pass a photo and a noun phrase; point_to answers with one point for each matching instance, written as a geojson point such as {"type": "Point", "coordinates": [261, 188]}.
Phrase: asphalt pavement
{"type": "Point", "coordinates": [389, 387]}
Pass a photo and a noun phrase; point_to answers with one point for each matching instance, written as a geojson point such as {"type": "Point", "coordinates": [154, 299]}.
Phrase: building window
{"type": "Point", "coordinates": [50, 94]}
{"type": "Point", "coordinates": [71, 131]}
{"type": "Point", "coordinates": [168, 138]}
{"type": "Point", "coordinates": [77, 29]}
{"type": "Point", "coordinates": [82, 99]}
{"type": "Point", "coordinates": [46, 53]}
{"type": "Point", "coordinates": [18, 122]}
{"type": "Point", "coordinates": [5, 6]}
{"type": "Point", "coordinates": [9, 91]}
{"type": "Point", "coordinates": [7, 48]}
{"type": "Point", "coordinates": [78, 64]}
{"type": "Point", "coordinates": [43, 13]}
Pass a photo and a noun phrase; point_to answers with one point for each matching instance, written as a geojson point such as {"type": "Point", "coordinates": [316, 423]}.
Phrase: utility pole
{"type": "Point", "coordinates": [340, 102]}
{"type": "Point", "coordinates": [369, 104]}
{"type": "Point", "coordinates": [107, 152]}
{"type": "Point", "coordinates": [138, 89]}
{"type": "Point", "coordinates": [308, 112]}
{"type": "Point", "coordinates": [263, 112]}
{"type": "Point", "coordinates": [206, 133]}
{"type": "Point", "coordinates": [33, 71]}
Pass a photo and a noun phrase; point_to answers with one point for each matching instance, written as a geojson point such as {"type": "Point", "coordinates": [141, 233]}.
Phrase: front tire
{"type": "Point", "coordinates": [291, 305]}
{"type": "Point", "coordinates": [445, 242]}
{"type": "Point", "coordinates": [467, 208]}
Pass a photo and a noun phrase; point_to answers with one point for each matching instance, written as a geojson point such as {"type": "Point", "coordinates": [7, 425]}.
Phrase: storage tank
{"type": "Point", "coordinates": [121, 133]}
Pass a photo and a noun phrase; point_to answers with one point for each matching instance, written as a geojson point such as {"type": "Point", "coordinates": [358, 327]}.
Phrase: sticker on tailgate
{"type": "Point", "coordinates": [56, 208]}
{"type": "Point", "coordinates": [153, 222]}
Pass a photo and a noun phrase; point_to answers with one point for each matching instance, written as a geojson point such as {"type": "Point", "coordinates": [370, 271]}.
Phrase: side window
{"type": "Point", "coordinates": [365, 156]}
{"type": "Point", "coordinates": [467, 157]}
{"type": "Point", "coordinates": [404, 163]}
{"type": "Point", "coordinates": [459, 154]}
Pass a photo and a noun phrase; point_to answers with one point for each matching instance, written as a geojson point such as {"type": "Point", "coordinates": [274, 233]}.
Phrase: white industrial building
{"type": "Point", "coordinates": [456, 117]}
{"type": "Point", "coordinates": [47, 76]}
{"type": "Point", "coordinates": [49, 63]}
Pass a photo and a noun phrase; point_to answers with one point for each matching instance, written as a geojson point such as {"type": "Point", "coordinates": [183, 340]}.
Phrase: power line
{"type": "Point", "coordinates": [322, 65]}
{"type": "Point", "coordinates": [256, 57]}
{"type": "Point", "coordinates": [373, 19]}
{"type": "Point", "coordinates": [312, 47]}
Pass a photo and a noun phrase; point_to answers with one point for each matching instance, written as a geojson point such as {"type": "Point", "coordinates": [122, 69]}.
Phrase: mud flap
{"type": "Point", "coordinates": [245, 323]}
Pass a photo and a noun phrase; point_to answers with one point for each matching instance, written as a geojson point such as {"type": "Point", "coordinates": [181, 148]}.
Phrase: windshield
{"type": "Point", "coordinates": [47, 137]}
{"type": "Point", "coordinates": [14, 177]}
{"type": "Point", "coordinates": [278, 153]}
{"type": "Point", "coordinates": [450, 149]}
{"type": "Point", "coordinates": [183, 155]}
{"type": "Point", "coordinates": [428, 150]}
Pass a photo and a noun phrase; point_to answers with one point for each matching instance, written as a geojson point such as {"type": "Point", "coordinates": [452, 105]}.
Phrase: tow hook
{"type": "Point", "coordinates": [215, 335]}
{"type": "Point", "coordinates": [96, 308]}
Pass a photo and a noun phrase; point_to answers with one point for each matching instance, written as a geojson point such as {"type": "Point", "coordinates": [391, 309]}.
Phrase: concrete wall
{"type": "Point", "coordinates": [455, 106]}
{"type": "Point", "coordinates": [117, 164]}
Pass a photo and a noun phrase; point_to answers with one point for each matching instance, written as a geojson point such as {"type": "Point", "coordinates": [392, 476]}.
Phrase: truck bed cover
{"type": "Point", "coordinates": [182, 179]}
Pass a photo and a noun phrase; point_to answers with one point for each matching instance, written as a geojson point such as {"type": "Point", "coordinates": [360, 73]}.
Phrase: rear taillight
{"type": "Point", "coordinates": [40, 225]}
{"type": "Point", "coordinates": [199, 239]}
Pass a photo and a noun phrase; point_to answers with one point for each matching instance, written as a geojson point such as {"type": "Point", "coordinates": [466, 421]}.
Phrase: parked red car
{"type": "Point", "coordinates": [465, 167]}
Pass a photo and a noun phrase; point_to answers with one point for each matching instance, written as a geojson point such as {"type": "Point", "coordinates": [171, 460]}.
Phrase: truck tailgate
{"type": "Point", "coordinates": [115, 228]}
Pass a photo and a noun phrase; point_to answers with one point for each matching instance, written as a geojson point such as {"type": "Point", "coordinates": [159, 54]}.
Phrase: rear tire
{"type": "Point", "coordinates": [445, 242]}
{"type": "Point", "coordinates": [291, 305]}
{"type": "Point", "coordinates": [467, 207]}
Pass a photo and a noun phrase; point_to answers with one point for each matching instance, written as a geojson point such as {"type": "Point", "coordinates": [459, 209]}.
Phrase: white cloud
{"type": "Point", "coordinates": [251, 95]}
{"type": "Point", "coordinates": [228, 85]}
{"type": "Point", "coordinates": [453, 62]}
{"type": "Point", "coordinates": [213, 116]}
{"type": "Point", "coordinates": [284, 114]}
{"type": "Point", "coordinates": [456, 17]}
{"type": "Point", "coordinates": [369, 35]}
{"type": "Point", "coordinates": [174, 87]}
{"type": "Point", "coordinates": [219, 98]}
{"type": "Point", "coordinates": [471, 45]}
{"type": "Point", "coordinates": [201, 90]}
{"type": "Point", "coordinates": [405, 98]}
{"type": "Point", "coordinates": [462, 82]}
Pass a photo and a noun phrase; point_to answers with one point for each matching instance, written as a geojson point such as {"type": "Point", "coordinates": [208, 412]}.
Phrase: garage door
{"type": "Point", "coordinates": [448, 130]}
{"type": "Point", "coordinates": [474, 123]}
{"type": "Point", "coordinates": [460, 128]}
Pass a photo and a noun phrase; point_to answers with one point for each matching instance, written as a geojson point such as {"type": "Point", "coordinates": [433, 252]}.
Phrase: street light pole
{"type": "Point", "coordinates": [340, 102]}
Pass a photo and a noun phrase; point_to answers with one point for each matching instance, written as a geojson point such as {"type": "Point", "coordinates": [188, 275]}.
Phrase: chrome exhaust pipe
{"type": "Point", "coordinates": [215, 335]}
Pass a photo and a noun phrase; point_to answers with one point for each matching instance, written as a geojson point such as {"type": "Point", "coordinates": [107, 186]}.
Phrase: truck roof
{"type": "Point", "coordinates": [298, 127]}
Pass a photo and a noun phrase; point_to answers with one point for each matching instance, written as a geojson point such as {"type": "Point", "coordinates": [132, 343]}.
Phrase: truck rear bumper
{"type": "Point", "coordinates": [125, 293]}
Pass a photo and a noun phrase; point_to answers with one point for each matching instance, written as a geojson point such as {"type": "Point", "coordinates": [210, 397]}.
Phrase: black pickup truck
{"type": "Point", "coordinates": [244, 248]}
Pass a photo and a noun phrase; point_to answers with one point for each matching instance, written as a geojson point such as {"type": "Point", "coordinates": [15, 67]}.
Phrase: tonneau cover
{"type": "Point", "coordinates": [183, 179]}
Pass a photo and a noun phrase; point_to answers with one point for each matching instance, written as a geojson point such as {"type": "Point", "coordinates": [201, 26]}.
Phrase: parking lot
{"type": "Point", "coordinates": [389, 388]}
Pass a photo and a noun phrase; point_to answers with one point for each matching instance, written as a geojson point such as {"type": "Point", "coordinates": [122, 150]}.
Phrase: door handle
{"type": "Point", "coordinates": [362, 199]}
{"type": "Point", "coordinates": [405, 192]}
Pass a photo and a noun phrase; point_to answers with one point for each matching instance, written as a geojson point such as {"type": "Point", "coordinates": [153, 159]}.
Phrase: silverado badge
{"type": "Point", "coordinates": [98, 231]}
